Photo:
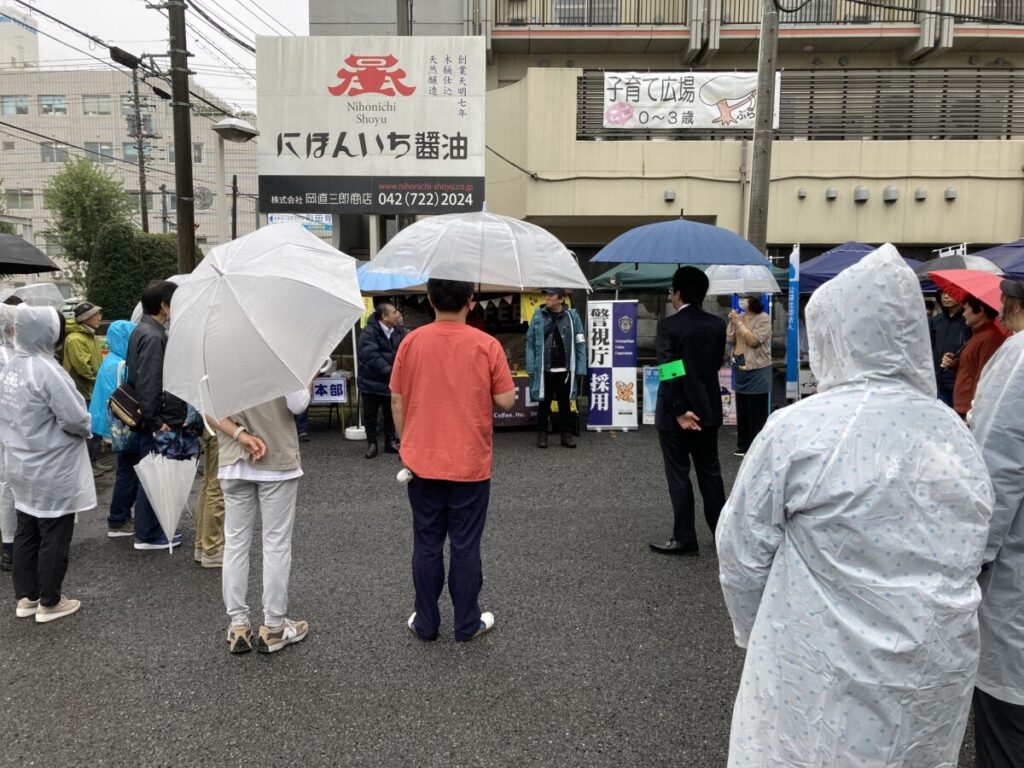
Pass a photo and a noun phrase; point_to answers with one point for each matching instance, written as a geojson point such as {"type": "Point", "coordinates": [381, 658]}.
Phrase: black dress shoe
{"type": "Point", "coordinates": [391, 446]}
{"type": "Point", "coordinates": [673, 547]}
{"type": "Point", "coordinates": [542, 439]}
{"type": "Point", "coordinates": [371, 451]}
{"type": "Point", "coordinates": [568, 440]}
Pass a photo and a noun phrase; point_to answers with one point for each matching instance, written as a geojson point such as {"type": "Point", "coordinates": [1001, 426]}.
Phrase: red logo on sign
{"type": "Point", "coordinates": [371, 74]}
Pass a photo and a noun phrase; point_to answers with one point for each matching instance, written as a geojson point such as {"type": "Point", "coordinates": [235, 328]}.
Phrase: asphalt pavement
{"type": "Point", "coordinates": [603, 653]}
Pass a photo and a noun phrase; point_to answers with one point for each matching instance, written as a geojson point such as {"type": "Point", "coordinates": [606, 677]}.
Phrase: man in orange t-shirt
{"type": "Point", "coordinates": [446, 380]}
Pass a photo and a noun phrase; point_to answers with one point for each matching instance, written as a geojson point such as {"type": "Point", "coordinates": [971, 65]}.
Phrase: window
{"type": "Point", "coordinates": [8, 146]}
{"type": "Point", "coordinates": [583, 12]}
{"type": "Point", "coordinates": [53, 105]}
{"type": "Point", "coordinates": [96, 105]}
{"type": "Point", "coordinates": [100, 151]}
{"type": "Point", "coordinates": [51, 152]}
{"type": "Point", "coordinates": [131, 151]}
{"type": "Point", "coordinates": [147, 123]}
{"type": "Point", "coordinates": [19, 198]}
{"type": "Point", "coordinates": [14, 105]}
{"type": "Point", "coordinates": [197, 153]}
{"type": "Point", "coordinates": [133, 199]}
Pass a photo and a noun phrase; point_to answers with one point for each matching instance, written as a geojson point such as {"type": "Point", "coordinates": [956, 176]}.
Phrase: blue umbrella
{"type": "Point", "coordinates": [1009, 258]}
{"type": "Point", "coordinates": [819, 270]}
{"type": "Point", "coordinates": [680, 242]}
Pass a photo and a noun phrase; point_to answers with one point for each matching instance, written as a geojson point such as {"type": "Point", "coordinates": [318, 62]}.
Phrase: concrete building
{"type": "Point", "coordinates": [48, 115]}
{"type": "Point", "coordinates": [895, 124]}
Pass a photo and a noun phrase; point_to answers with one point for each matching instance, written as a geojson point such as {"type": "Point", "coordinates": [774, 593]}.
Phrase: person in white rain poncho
{"type": "Point", "coordinates": [8, 519]}
{"type": "Point", "coordinates": [851, 544]}
{"type": "Point", "coordinates": [43, 427]}
{"type": "Point", "coordinates": [998, 425]}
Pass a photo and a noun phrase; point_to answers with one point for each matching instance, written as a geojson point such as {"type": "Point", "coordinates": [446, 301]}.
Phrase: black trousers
{"type": "Point", "coordinates": [372, 404]}
{"type": "Point", "coordinates": [557, 387]}
{"type": "Point", "coordinates": [998, 732]}
{"type": "Point", "coordinates": [41, 548]}
{"type": "Point", "coordinates": [678, 447]}
{"type": "Point", "coordinates": [751, 414]}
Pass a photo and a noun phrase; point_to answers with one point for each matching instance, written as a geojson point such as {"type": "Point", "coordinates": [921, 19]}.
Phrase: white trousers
{"type": "Point", "coordinates": [8, 517]}
{"type": "Point", "coordinates": [274, 504]}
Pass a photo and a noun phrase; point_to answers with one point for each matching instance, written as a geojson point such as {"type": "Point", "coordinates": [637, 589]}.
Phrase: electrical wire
{"type": "Point", "coordinates": [267, 14]}
{"type": "Point", "coordinates": [236, 18]}
{"type": "Point", "coordinates": [217, 26]}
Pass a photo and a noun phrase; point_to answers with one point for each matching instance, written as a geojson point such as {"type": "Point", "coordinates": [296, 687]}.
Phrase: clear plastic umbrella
{"type": "Point", "coordinates": [168, 483]}
{"type": "Point", "coordinates": [740, 278]}
{"type": "Point", "coordinates": [495, 253]}
{"type": "Point", "coordinates": [257, 318]}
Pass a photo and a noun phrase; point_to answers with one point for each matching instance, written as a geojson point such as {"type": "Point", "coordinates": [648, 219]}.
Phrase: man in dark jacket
{"type": "Point", "coordinates": [161, 411]}
{"type": "Point", "coordinates": [377, 348]}
{"type": "Point", "coordinates": [949, 333]}
{"type": "Point", "coordinates": [691, 348]}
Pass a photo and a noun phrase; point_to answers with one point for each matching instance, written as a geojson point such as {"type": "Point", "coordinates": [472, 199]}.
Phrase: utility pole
{"type": "Point", "coordinates": [761, 166]}
{"type": "Point", "coordinates": [404, 11]}
{"type": "Point", "coordinates": [234, 206]}
{"type": "Point", "coordinates": [163, 205]}
{"type": "Point", "coordinates": [182, 137]}
{"type": "Point", "coordinates": [140, 146]}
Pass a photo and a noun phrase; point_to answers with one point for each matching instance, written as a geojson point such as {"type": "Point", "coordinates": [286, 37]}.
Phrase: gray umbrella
{"type": "Point", "coordinates": [20, 257]}
{"type": "Point", "coordinates": [977, 263]}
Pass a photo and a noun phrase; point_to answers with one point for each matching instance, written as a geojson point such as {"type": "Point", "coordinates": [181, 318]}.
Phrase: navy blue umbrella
{"type": "Point", "coordinates": [680, 242]}
{"type": "Point", "coordinates": [819, 270]}
{"type": "Point", "coordinates": [1009, 258]}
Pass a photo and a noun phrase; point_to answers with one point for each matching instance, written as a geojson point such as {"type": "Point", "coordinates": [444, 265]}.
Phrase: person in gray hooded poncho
{"type": "Point", "coordinates": [851, 544]}
{"type": "Point", "coordinates": [43, 428]}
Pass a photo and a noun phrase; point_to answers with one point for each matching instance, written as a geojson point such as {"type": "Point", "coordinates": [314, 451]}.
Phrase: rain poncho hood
{"type": "Point", "coordinates": [106, 380]}
{"type": "Point", "coordinates": [6, 333]}
{"type": "Point", "coordinates": [850, 546]}
{"type": "Point", "coordinates": [998, 420]}
{"type": "Point", "coordinates": [43, 423]}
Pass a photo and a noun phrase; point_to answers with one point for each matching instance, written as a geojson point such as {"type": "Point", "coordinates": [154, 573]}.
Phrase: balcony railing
{"type": "Point", "coordinates": [823, 12]}
{"type": "Point", "coordinates": [989, 11]}
{"type": "Point", "coordinates": [604, 13]}
{"type": "Point", "coordinates": [589, 13]}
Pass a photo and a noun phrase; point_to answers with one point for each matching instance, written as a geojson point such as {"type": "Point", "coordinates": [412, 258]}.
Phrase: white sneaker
{"type": "Point", "coordinates": [486, 625]}
{"type": "Point", "coordinates": [65, 607]}
{"type": "Point", "coordinates": [27, 608]}
{"type": "Point", "coordinates": [271, 640]}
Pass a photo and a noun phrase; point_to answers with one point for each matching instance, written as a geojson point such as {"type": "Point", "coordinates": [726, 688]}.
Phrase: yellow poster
{"type": "Point", "coordinates": [367, 311]}
{"type": "Point", "coordinates": [530, 302]}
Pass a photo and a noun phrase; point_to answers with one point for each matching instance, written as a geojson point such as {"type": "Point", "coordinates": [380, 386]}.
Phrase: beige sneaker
{"type": "Point", "coordinates": [271, 640]}
{"type": "Point", "coordinates": [239, 639]}
{"type": "Point", "coordinates": [213, 561]}
{"type": "Point", "coordinates": [27, 608]}
{"type": "Point", "coordinates": [65, 607]}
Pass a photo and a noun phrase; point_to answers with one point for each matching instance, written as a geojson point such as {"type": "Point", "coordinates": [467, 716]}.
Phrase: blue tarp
{"type": "Point", "coordinates": [819, 270]}
{"type": "Point", "coordinates": [1009, 258]}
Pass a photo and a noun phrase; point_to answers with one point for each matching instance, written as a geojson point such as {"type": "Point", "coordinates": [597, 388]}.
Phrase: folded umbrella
{"type": "Point", "coordinates": [257, 318]}
{"type": "Point", "coordinates": [168, 483]}
{"type": "Point", "coordinates": [495, 253]}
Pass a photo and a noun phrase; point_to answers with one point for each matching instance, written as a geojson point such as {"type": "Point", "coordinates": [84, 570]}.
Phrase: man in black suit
{"type": "Point", "coordinates": [689, 410]}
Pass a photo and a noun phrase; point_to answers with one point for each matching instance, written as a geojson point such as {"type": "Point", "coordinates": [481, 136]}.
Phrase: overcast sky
{"type": "Point", "coordinates": [129, 24]}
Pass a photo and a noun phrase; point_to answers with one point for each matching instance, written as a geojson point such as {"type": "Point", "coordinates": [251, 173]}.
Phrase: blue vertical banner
{"type": "Point", "coordinates": [612, 365]}
{"type": "Point", "coordinates": [793, 328]}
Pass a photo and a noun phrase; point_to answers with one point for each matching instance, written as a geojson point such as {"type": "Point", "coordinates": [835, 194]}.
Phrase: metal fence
{"type": "Point", "coordinates": [589, 13]}
{"type": "Point", "coordinates": [597, 13]}
{"type": "Point", "coordinates": [880, 104]}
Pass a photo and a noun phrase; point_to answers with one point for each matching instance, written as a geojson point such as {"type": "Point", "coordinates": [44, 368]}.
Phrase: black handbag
{"type": "Point", "coordinates": [125, 406]}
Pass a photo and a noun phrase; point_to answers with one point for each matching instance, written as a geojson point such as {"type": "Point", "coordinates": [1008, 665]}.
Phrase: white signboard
{"type": "Point", "coordinates": [682, 100]}
{"type": "Point", "coordinates": [320, 224]}
{"type": "Point", "coordinates": [371, 124]}
{"type": "Point", "coordinates": [329, 390]}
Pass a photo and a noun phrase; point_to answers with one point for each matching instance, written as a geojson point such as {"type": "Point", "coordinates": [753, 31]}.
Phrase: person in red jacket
{"type": "Point", "coordinates": [986, 338]}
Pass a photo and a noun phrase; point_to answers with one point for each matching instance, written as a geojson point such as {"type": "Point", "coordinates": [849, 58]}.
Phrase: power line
{"type": "Point", "coordinates": [240, 43]}
{"type": "Point", "coordinates": [267, 14]}
{"type": "Point", "coordinates": [238, 20]}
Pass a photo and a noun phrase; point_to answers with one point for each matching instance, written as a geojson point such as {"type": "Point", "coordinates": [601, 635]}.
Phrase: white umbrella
{"type": "Point", "coordinates": [137, 312]}
{"type": "Point", "coordinates": [167, 483]}
{"type": "Point", "coordinates": [257, 318]}
{"type": "Point", "coordinates": [495, 253]}
{"type": "Point", "coordinates": [740, 278]}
